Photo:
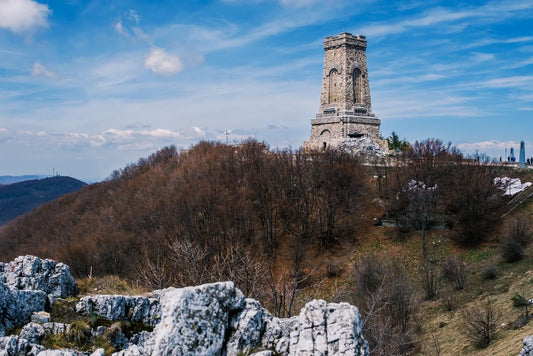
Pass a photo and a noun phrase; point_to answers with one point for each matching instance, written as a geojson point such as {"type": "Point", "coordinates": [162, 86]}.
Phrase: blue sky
{"type": "Point", "coordinates": [87, 87]}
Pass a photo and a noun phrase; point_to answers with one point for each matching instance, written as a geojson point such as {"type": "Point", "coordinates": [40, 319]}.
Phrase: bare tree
{"type": "Point", "coordinates": [481, 321]}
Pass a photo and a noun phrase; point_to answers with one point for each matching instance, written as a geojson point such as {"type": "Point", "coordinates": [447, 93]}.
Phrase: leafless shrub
{"type": "Point", "coordinates": [152, 271]}
{"type": "Point", "coordinates": [456, 272]}
{"type": "Point", "coordinates": [511, 250]}
{"type": "Point", "coordinates": [429, 279]}
{"type": "Point", "coordinates": [247, 271]}
{"type": "Point", "coordinates": [520, 230]}
{"type": "Point", "coordinates": [334, 268]}
{"type": "Point", "coordinates": [436, 344]}
{"type": "Point", "coordinates": [191, 260]}
{"type": "Point", "coordinates": [489, 272]}
{"type": "Point", "coordinates": [448, 299]}
{"type": "Point", "coordinates": [283, 291]}
{"type": "Point", "coordinates": [517, 238]}
{"type": "Point", "coordinates": [481, 321]}
{"type": "Point", "coordinates": [385, 297]}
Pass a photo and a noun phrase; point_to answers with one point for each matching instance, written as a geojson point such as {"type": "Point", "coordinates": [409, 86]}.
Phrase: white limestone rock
{"type": "Point", "coordinates": [527, 350]}
{"type": "Point", "coordinates": [17, 306]}
{"type": "Point", "coordinates": [263, 353]}
{"type": "Point", "coordinates": [280, 334]}
{"type": "Point", "coordinates": [119, 307]}
{"type": "Point", "coordinates": [320, 329]}
{"type": "Point", "coordinates": [194, 319]}
{"type": "Point", "coordinates": [40, 317]}
{"type": "Point", "coordinates": [9, 345]}
{"type": "Point", "coordinates": [33, 273]}
{"type": "Point", "coordinates": [246, 328]}
{"type": "Point", "coordinates": [32, 332]}
{"type": "Point", "coordinates": [362, 145]}
{"type": "Point", "coordinates": [98, 352]}
{"type": "Point", "coordinates": [56, 328]}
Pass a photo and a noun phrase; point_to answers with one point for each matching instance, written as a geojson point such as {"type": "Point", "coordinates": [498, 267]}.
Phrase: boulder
{"type": "Point", "coordinates": [56, 328]}
{"type": "Point", "coordinates": [194, 320]}
{"type": "Point", "coordinates": [27, 284]}
{"type": "Point", "coordinates": [40, 317]}
{"type": "Point", "coordinates": [320, 329]}
{"type": "Point", "coordinates": [17, 306]}
{"type": "Point", "coordinates": [211, 319]}
{"type": "Point", "coordinates": [247, 326]}
{"type": "Point", "coordinates": [9, 345]}
{"type": "Point", "coordinates": [527, 350]}
{"type": "Point", "coordinates": [118, 307]}
{"type": "Point", "coordinates": [215, 319]}
{"type": "Point", "coordinates": [33, 273]}
{"type": "Point", "coordinates": [32, 332]}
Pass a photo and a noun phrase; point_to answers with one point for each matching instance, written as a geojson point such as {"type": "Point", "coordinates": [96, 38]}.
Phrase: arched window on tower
{"type": "Point", "coordinates": [357, 86]}
{"type": "Point", "coordinates": [333, 89]}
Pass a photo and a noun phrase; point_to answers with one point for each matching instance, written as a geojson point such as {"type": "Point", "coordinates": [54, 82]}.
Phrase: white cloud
{"type": "Point", "coordinates": [495, 11]}
{"type": "Point", "coordinates": [162, 133]}
{"type": "Point", "coordinates": [234, 137]}
{"type": "Point", "coordinates": [483, 57]}
{"type": "Point", "coordinates": [493, 148]}
{"type": "Point", "coordinates": [120, 29]}
{"type": "Point", "coordinates": [137, 146]}
{"type": "Point", "coordinates": [23, 15]}
{"type": "Point", "coordinates": [133, 15]}
{"type": "Point", "coordinates": [199, 132]}
{"type": "Point", "coordinates": [40, 70]}
{"type": "Point", "coordinates": [139, 33]}
{"type": "Point", "coordinates": [509, 82]}
{"type": "Point", "coordinates": [163, 63]}
{"type": "Point", "coordinates": [490, 41]}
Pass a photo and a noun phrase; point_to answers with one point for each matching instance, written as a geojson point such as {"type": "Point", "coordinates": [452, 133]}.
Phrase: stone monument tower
{"type": "Point", "coordinates": [345, 119]}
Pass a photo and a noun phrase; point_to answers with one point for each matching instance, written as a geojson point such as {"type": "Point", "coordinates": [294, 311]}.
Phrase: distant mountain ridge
{"type": "Point", "coordinates": [19, 198]}
{"type": "Point", "coordinates": [17, 179]}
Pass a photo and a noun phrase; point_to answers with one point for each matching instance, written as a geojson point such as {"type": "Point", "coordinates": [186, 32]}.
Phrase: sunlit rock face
{"type": "Point", "coordinates": [210, 319]}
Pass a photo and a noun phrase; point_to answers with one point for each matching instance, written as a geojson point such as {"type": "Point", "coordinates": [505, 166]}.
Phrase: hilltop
{"type": "Point", "coordinates": [288, 227]}
{"type": "Point", "coordinates": [19, 198]}
{"type": "Point", "coordinates": [16, 179]}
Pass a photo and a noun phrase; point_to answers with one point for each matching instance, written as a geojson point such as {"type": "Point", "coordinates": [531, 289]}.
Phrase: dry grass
{"type": "Point", "coordinates": [108, 285]}
{"type": "Point", "coordinates": [433, 318]}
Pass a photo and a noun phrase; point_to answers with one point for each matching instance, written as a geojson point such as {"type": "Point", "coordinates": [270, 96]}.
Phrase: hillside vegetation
{"type": "Point", "coordinates": [287, 226]}
{"type": "Point", "coordinates": [19, 198]}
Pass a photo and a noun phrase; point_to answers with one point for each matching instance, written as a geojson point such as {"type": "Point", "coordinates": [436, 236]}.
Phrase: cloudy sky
{"type": "Point", "coordinates": [88, 86]}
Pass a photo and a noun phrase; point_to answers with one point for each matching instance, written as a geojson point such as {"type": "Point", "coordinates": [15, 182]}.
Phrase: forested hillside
{"type": "Point", "coordinates": [19, 198]}
{"type": "Point", "coordinates": [213, 212]}
{"type": "Point", "coordinates": [288, 226]}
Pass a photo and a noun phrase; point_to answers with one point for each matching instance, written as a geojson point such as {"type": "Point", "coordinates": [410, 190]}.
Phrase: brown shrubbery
{"type": "Point", "coordinates": [516, 240]}
{"type": "Point", "coordinates": [386, 299]}
{"type": "Point", "coordinates": [481, 321]}
{"type": "Point", "coordinates": [214, 212]}
{"type": "Point", "coordinates": [433, 185]}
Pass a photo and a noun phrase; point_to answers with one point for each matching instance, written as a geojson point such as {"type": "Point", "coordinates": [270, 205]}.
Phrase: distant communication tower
{"type": "Point", "coordinates": [226, 132]}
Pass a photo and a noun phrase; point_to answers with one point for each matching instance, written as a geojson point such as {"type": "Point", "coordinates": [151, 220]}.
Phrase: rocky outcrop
{"type": "Point", "coordinates": [33, 273]}
{"type": "Point", "coordinates": [216, 319]}
{"type": "Point", "coordinates": [27, 284]}
{"type": "Point", "coordinates": [211, 319]}
{"type": "Point", "coordinates": [118, 307]}
{"type": "Point", "coordinates": [528, 346]}
{"type": "Point", "coordinates": [365, 145]}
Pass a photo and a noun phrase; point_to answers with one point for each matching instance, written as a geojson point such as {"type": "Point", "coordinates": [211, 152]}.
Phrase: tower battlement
{"type": "Point", "coordinates": [344, 39]}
